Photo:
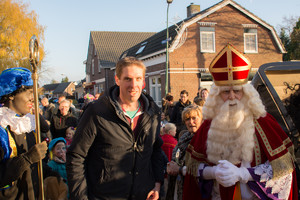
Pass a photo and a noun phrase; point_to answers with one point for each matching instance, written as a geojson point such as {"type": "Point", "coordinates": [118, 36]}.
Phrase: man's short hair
{"type": "Point", "coordinates": [184, 92]}
{"type": "Point", "coordinates": [128, 61]}
{"type": "Point", "coordinates": [169, 98]}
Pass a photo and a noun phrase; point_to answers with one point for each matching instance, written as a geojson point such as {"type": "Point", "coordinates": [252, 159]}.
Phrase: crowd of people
{"type": "Point", "coordinates": [121, 145]}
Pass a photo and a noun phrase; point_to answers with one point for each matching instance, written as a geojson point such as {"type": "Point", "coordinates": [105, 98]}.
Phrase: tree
{"type": "Point", "coordinates": [290, 37]}
{"type": "Point", "coordinates": [53, 81]}
{"type": "Point", "coordinates": [285, 39]}
{"type": "Point", "coordinates": [295, 42]}
{"type": "Point", "coordinates": [65, 80]}
{"type": "Point", "coordinates": [17, 25]}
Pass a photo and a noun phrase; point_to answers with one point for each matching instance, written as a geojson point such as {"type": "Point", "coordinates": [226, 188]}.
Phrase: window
{"type": "Point", "coordinates": [155, 89]}
{"type": "Point", "coordinates": [250, 40]}
{"type": "Point", "coordinates": [207, 39]}
{"type": "Point", "coordinates": [93, 66]}
{"type": "Point", "coordinates": [142, 47]}
{"type": "Point", "coordinates": [99, 66]}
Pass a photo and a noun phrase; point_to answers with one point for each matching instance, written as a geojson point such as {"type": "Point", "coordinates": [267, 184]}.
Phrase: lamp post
{"type": "Point", "coordinates": [167, 48]}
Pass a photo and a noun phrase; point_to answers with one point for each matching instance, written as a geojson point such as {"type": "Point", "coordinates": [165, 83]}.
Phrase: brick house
{"type": "Point", "coordinates": [105, 48]}
{"type": "Point", "coordinates": [56, 89]}
{"type": "Point", "coordinates": [196, 40]}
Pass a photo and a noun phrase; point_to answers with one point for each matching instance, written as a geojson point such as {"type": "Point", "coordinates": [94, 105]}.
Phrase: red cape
{"type": "Point", "coordinates": [271, 143]}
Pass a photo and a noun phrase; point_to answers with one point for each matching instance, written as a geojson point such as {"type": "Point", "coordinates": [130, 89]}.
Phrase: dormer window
{"type": "Point", "coordinates": [142, 47]}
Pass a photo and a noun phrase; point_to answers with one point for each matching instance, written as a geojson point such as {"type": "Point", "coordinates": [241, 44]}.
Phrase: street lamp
{"type": "Point", "coordinates": [167, 48]}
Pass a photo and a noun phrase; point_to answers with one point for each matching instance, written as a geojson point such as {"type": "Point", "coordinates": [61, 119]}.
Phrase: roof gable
{"type": "Point", "coordinates": [61, 87]}
{"type": "Point", "coordinates": [110, 45]}
{"type": "Point", "coordinates": [222, 4]}
{"type": "Point", "coordinates": [50, 87]}
{"type": "Point", "coordinates": [177, 32]}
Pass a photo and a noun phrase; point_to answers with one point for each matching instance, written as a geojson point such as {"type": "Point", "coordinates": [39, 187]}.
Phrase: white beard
{"type": "Point", "coordinates": [231, 134]}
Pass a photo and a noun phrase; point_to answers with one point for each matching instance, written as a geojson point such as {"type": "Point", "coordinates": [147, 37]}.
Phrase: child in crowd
{"type": "Point", "coordinates": [168, 137]}
{"type": "Point", "coordinates": [55, 189]}
{"type": "Point", "coordinates": [169, 132]}
{"type": "Point", "coordinates": [69, 135]}
{"type": "Point", "coordinates": [163, 120]}
{"type": "Point", "coordinates": [57, 151]}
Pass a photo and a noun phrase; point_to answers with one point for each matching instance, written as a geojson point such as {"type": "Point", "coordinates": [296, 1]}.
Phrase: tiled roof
{"type": "Point", "coordinates": [109, 45]}
{"type": "Point", "coordinates": [61, 87]}
{"type": "Point", "coordinates": [154, 43]}
{"type": "Point", "coordinates": [50, 87]}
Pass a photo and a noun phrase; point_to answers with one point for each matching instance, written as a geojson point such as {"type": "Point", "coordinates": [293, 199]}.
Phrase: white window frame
{"type": "Point", "coordinates": [246, 41]}
{"type": "Point", "coordinates": [157, 88]}
{"type": "Point", "coordinates": [93, 66]}
{"type": "Point", "coordinates": [99, 66]}
{"type": "Point", "coordinates": [207, 33]}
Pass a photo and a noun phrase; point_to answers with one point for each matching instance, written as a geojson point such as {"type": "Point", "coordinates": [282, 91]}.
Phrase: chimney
{"type": "Point", "coordinates": [192, 9]}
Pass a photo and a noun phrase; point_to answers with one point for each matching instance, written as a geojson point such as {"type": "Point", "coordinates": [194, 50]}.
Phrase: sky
{"type": "Point", "coordinates": [68, 24]}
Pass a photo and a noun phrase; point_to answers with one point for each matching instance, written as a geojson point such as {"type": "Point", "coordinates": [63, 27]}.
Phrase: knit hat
{"type": "Point", "coordinates": [55, 141]}
{"type": "Point", "coordinates": [13, 78]}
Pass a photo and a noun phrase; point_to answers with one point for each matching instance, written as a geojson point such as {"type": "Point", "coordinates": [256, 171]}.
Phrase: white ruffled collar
{"type": "Point", "coordinates": [18, 125]}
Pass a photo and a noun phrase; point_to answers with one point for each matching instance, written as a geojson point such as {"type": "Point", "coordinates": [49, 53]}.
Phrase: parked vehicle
{"type": "Point", "coordinates": [279, 87]}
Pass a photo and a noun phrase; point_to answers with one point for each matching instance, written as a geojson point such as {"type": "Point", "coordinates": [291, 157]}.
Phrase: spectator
{"type": "Point", "coordinates": [57, 149]}
{"type": "Point", "coordinates": [168, 106]}
{"type": "Point", "coordinates": [176, 115]}
{"type": "Point", "coordinates": [116, 150]}
{"type": "Point", "coordinates": [69, 135]}
{"type": "Point", "coordinates": [47, 109]}
{"type": "Point", "coordinates": [163, 120]}
{"type": "Point", "coordinates": [57, 189]}
{"type": "Point", "coordinates": [169, 143]}
{"type": "Point", "coordinates": [199, 102]}
{"type": "Point", "coordinates": [198, 96]}
{"type": "Point", "coordinates": [168, 139]}
{"type": "Point", "coordinates": [75, 112]}
{"type": "Point", "coordinates": [192, 117]}
{"type": "Point", "coordinates": [204, 94]}
{"type": "Point", "coordinates": [61, 120]}
{"type": "Point", "coordinates": [240, 150]}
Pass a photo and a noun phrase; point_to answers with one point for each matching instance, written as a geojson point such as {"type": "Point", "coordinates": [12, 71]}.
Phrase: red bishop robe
{"type": "Point", "coordinates": [271, 144]}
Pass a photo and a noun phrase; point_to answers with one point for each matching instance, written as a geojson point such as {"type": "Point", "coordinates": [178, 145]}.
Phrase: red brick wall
{"type": "Point", "coordinates": [228, 29]}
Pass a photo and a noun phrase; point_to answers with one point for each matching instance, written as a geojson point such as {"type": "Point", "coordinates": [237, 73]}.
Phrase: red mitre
{"type": "Point", "coordinates": [230, 67]}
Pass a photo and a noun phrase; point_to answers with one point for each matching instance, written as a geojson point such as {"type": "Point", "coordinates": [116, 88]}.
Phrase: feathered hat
{"type": "Point", "coordinates": [230, 67]}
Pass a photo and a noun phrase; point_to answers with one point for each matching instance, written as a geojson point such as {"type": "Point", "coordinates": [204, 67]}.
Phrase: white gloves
{"type": "Point", "coordinates": [226, 173]}
{"type": "Point", "coordinates": [209, 172]}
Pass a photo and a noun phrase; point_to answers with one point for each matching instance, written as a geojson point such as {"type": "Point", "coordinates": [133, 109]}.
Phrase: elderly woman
{"type": "Point", "coordinates": [192, 117]}
{"type": "Point", "coordinates": [18, 151]}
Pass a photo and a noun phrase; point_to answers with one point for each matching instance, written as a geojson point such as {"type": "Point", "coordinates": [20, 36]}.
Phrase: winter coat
{"type": "Point", "coordinates": [59, 124]}
{"type": "Point", "coordinates": [105, 161]}
{"type": "Point", "coordinates": [169, 144]}
{"type": "Point", "coordinates": [177, 111]}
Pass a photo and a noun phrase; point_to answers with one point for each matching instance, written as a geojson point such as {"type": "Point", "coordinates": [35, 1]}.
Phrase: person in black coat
{"type": "Point", "coordinates": [61, 120]}
{"type": "Point", "coordinates": [177, 111]}
{"type": "Point", "coordinates": [116, 150]}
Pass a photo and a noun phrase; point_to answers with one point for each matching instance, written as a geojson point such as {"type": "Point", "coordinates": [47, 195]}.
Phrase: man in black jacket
{"type": "Point", "coordinates": [177, 111]}
{"type": "Point", "coordinates": [115, 152]}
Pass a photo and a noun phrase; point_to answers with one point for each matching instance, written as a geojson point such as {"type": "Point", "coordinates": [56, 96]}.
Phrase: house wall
{"type": "Point", "coordinates": [187, 60]}
{"type": "Point", "coordinates": [70, 90]}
